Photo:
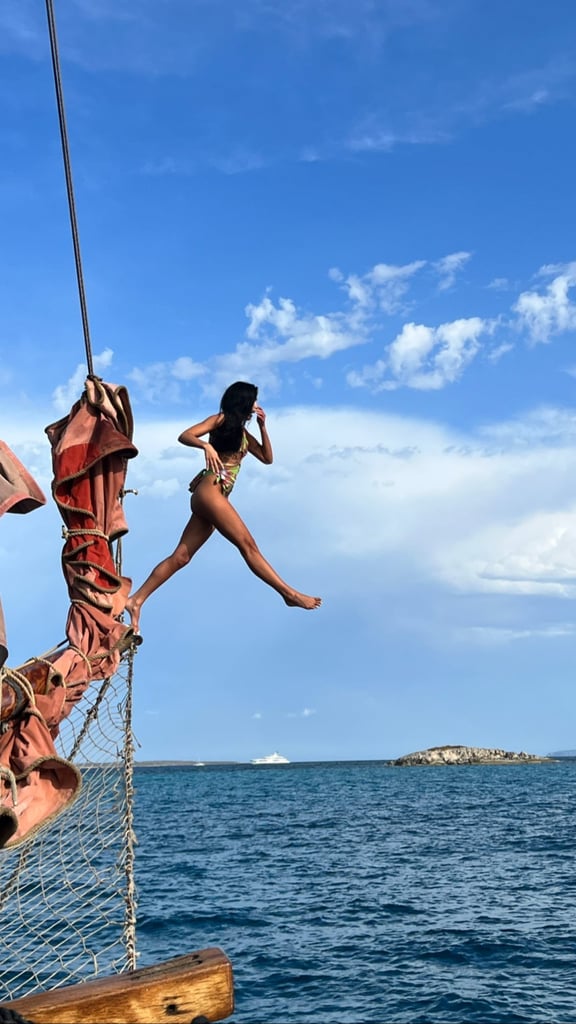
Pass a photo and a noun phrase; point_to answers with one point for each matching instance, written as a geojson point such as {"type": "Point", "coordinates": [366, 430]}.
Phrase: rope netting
{"type": "Point", "coordinates": [67, 895]}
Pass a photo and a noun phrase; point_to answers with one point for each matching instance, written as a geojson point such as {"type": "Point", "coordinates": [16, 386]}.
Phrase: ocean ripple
{"type": "Point", "coordinates": [355, 893]}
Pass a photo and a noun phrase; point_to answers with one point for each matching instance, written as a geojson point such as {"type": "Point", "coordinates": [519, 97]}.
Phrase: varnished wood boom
{"type": "Point", "coordinates": [197, 985]}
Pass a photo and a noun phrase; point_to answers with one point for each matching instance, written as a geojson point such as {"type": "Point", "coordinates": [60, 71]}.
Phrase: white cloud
{"type": "Point", "coordinates": [390, 283]}
{"type": "Point", "coordinates": [544, 314]}
{"type": "Point", "coordinates": [494, 354]}
{"type": "Point", "coordinates": [283, 334]}
{"type": "Point", "coordinates": [65, 395]}
{"type": "Point", "coordinates": [410, 349]}
{"type": "Point", "coordinates": [279, 332]}
{"type": "Point", "coordinates": [381, 288]}
{"type": "Point", "coordinates": [161, 488]}
{"type": "Point", "coordinates": [185, 368]}
{"type": "Point", "coordinates": [544, 426]}
{"type": "Point", "coordinates": [302, 335]}
{"type": "Point", "coordinates": [529, 90]}
{"type": "Point", "coordinates": [536, 554]}
{"type": "Point", "coordinates": [373, 138]}
{"type": "Point", "coordinates": [422, 357]}
{"type": "Point", "coordinates": [503, 635]}
{"type": "Point", "coordinates": [425, 358]}
{"type": "Point", "coordinates": [471, 517]}
{"type": "Point", "coordinates": [161, 381]}
{"type": "Point", "coordinates": [449, 267]}
{"type": "Point", "coordinates": [527, 103]}
{"type": "Point", "coordinates": [540, 552]}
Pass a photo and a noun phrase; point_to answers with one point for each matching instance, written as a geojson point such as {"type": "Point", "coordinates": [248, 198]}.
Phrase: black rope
{"type": "Point", "coordinates": [69, 185]}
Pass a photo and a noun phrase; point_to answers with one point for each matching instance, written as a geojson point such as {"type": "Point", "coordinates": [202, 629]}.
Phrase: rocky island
{"type": "Point", "coordinates": [454, 755]}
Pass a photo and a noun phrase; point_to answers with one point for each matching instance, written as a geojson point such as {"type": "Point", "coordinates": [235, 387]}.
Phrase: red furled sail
{"type": "Point", "coordinates": [90, 449]}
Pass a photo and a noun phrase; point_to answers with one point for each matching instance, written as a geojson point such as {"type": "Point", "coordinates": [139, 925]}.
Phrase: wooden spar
{"type": "Point", "coordinates": [196, 985]}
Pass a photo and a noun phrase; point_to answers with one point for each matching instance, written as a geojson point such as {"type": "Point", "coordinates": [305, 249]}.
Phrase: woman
{"type": "Point", "coordinates": [227, 444]}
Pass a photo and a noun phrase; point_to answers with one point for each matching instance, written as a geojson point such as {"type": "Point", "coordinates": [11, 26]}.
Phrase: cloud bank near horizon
{"type": "Point", "coordinates": [389, 505]}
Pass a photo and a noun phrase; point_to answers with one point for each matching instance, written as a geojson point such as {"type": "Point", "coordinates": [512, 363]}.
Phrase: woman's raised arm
{"type": "Point", "coordinates": [262, 449]}
{"type": "Point", "coordinates": [192, 437]}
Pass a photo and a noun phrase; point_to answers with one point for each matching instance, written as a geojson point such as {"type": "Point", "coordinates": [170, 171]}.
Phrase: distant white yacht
{"type": "Point", "coordinates": [274, 758]}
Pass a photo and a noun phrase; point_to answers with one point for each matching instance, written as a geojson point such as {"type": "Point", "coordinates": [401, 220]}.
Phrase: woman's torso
{"type": "Point", "coordinates": [231, 467]}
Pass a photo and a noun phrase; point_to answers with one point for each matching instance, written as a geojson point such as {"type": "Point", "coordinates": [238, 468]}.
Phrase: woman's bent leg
{"type": "Point", "coordinates": [196, 533]}
{"type": "Point", "coordinates": [217, 510]}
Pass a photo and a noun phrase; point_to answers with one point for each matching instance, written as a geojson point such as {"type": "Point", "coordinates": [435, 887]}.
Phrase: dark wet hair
{"type": "Point", "coordinates": [236, 404]}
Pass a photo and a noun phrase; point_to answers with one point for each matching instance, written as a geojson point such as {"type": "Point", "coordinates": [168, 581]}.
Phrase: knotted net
{"type": "Point", "coordinates": [67, 897]}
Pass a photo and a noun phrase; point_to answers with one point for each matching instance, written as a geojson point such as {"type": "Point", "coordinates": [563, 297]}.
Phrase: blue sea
{"type": "Point", "coordinates": [357, 892]}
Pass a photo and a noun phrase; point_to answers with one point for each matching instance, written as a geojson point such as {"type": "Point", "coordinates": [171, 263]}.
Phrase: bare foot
{"type": "Point", "coordinates": [298, 600]}
{"type": "Point", "coordinates": [133, 610]}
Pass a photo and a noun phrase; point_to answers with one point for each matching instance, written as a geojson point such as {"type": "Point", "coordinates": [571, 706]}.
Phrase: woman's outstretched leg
{"type": "Point", "coordinates": [196, 533]}
{"type": "Point", "coordinates": [216, 509]}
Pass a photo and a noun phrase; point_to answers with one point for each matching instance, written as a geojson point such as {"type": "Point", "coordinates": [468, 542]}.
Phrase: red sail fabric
{"type": "Point", "coordinates": [19, 493]}
{"type": "Point", "coordinates": [90, 449]}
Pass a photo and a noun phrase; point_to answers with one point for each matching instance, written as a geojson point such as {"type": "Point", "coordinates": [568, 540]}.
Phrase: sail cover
{"type": "Point", "coordinates": [90, 449]}
{"type": "Point", "coordinates": [19, 493]}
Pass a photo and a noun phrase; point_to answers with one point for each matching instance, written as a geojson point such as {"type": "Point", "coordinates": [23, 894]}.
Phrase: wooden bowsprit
{"type": "Point", "coordinates": [198, 985]}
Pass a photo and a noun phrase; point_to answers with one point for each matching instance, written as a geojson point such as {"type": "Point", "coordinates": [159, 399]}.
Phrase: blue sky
{"type": "Point", "coordinates": [365, 207]}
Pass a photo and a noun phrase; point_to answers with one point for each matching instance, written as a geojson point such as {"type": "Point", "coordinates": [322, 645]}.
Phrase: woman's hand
{"type": "Point", "coordinates": [260, 416]}
{"type": "Point", "coordinates": [213, 460]}
{"type": "Point", "coordinates": [261, 449]}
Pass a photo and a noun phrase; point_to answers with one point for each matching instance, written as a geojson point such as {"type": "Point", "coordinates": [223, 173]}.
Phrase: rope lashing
{"type": "Point", "coordinates": [66, 533]}
{"type": "Point", "coordinates": [11, 678]}
{"type": "Point", "coordinates": [23, 692]}
{"type": "Point", "coordinates": [69, 183]}
{"type": "Point", "coordinates": [10, 778]}
{"type": "Point", "coordinates": [85, 657]}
